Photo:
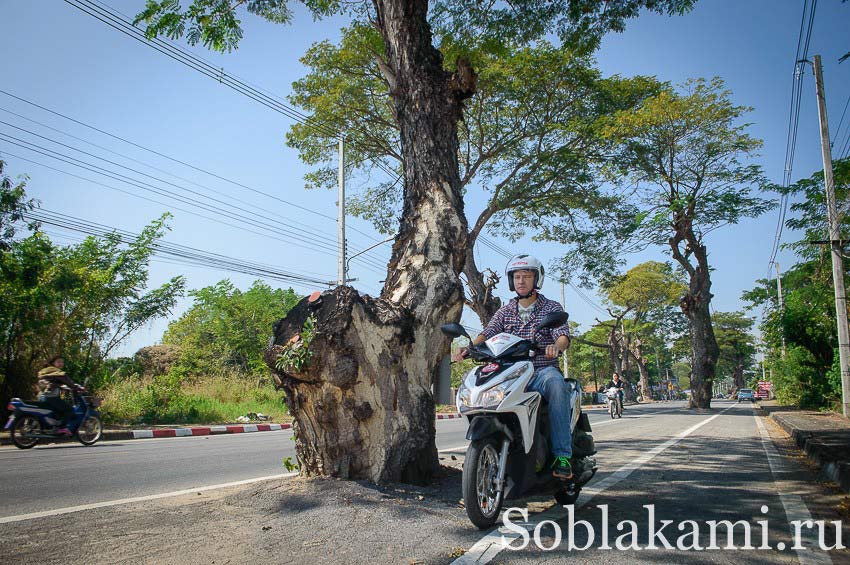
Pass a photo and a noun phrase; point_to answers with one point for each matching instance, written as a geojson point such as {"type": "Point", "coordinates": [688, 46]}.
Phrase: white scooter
{"type": "Point", "coordinates": [615, 404]}
{"type": "Point", "coordinates": [509, 454]}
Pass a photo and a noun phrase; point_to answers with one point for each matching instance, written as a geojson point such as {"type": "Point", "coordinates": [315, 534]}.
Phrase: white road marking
{"type": "Point", "coordinates": [795, 507]}
{"type": "Point", "coordinates": [496, 540]}
{"type": "Point", "coordinates": [68, 510]}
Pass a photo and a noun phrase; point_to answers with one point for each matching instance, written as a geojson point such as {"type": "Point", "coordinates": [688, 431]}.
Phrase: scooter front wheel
{"type": "Point", "coordinates": [565, 497]}
{"type": "Point", "coordinates": [480, 470]}
{"type": "Point", "coordinates": [23, 430]}
{"type": "Point", "coordinates": [90, 431]}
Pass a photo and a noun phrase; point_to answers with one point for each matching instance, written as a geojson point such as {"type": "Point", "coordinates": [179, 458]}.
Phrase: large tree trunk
{"type": "Point", "coordinates": [738, 376]}
{"type": "Point", "coordinates": [362, 404]}
{"type": "Point", "coordinates": [696, 307]}
{"type": "Point", "coordinates": [642, 370]}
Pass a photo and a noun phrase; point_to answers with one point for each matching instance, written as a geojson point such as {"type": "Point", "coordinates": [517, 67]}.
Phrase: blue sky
{"type": "Point", "coordinates": [67, 61]}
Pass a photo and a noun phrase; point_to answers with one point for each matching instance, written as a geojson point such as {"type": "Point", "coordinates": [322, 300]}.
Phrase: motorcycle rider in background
{"type": "Point", "coordinates": [615, 382]}
{"type": "Point", "coordinates": [50, 379]}
{"type": "Point", "coordinates": [520, 317]}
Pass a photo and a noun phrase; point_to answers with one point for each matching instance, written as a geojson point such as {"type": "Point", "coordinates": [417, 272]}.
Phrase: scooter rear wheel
{"type": "Point", "coordinates": [23, 430]}
{"type": "Point", "coordinates": [480, 470]}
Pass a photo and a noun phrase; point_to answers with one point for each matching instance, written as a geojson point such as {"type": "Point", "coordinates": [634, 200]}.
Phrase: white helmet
{"type": "Point", "coordinates": [524, 263]}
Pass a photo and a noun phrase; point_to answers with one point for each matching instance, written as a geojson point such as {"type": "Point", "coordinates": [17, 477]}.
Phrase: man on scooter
{"type": "Point", "coordinates": [520, 317]}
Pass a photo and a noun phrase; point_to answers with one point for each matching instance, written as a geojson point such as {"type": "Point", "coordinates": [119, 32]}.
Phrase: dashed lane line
{"type": "Point", "coordinates": [495, 541]}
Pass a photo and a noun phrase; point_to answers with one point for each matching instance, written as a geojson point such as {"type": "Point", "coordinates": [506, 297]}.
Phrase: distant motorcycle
{"type": "Point", "coordinates": [32, 421]}
{"type": "Point", "coordinates": [615, 404]}
{"type": "Point", "coordinates": [509, 455]}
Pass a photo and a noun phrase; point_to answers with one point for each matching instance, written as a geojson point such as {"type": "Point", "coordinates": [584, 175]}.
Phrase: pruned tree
{"type": "Point", "coordinates": [360, 393]}
{"type": "Point", "coordinates": [645, 293]}
{"type": "Point", "coordinates": [685, 153]}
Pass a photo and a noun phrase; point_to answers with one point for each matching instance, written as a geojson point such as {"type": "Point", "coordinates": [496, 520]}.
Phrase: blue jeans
{"type": "Point", "coordinates": [550, 383]}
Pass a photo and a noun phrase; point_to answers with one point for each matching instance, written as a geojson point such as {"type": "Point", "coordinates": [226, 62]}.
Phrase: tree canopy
{"type": "Point", "coordinates": [686, 154]}
{"type": "Point", "coordinates": [227, 330]}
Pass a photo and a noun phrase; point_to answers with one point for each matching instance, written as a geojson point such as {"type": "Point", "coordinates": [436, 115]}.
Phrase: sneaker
{"type": "Point", "coordinates": [64, 432]}
{"type": "Point", "coordinates": [562, 469]}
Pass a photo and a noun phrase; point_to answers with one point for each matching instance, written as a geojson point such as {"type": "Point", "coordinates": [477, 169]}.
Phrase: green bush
{"type": "Point", "coordinates": [799, 380]}
{"type": "Point", "coordinates": [166, 399]}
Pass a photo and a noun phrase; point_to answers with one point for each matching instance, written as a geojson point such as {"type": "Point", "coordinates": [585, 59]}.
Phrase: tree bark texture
{"type": "Point", "coordinates": [362, 405]}
{"type": "Point", "coordinates": [636, 352]}
{"type": "Point", "coordinates": [695, 306]}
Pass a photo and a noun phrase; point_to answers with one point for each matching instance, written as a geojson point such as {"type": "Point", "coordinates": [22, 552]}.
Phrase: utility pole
{"type": "Point", "coordinates": [835, 241]}
{"type": "Point", "coordinates": [658, 365]}
{"type": "Point", "coordinates": [342, 264]}
{"type": "Point", "coordinates": [564, 304]}
{"type": "Point", "coordinates": [781, 302]}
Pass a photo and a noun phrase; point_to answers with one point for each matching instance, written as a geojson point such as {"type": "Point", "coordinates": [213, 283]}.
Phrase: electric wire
{"type": "Point", "coordinates": [800, 58]}
{"type": "Point", "coordinates": [172, 159]}
{"type": "Point", "coordinates": [326, 245]}
{"type": "Point", "coordinates": [315, 236]}
{"type": "Point", "coordinates": [185, 255]}
{"type": "Point", "coordinates": [120, 23]}
{"type": "Point", "coordinates": [170, 206]}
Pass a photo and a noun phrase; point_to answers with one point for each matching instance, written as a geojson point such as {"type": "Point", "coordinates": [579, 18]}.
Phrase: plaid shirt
{"type": "Point", "coordinates": [507, 320]}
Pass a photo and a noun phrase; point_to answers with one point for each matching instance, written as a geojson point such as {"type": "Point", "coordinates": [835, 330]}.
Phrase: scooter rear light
{"type": "Point", "coordinates": [10, 407]}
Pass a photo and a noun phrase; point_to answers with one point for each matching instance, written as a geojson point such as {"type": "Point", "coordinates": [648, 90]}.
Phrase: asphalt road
{"type": "Point", "coordinates": [691, 467]}
{"type": "Point", "coordinates": [64, 475]}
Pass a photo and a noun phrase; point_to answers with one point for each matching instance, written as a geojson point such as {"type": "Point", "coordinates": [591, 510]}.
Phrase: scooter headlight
{"type": "Point", "coordinates": [463, 395]}
{"type": "Point", "coordinates": [492, 397]}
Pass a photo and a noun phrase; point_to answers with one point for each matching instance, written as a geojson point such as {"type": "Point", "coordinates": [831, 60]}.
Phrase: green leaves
{"type": "Point", "coordinates": [684, 150]}
{"type": "Point", "coordinates": [227, 330]}
{"type": "Point", "coordinates": [213, 23]}
{"type": "Point", "coordinates": [81, 301]}
{"type": "Point", "coordinates": [13, 206]}
{"type": "Point", "coordinates": [296, 353]}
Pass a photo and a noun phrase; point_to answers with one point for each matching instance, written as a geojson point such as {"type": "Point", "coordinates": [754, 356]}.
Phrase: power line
{"type": "Point", "coordinates": [183, 254]}
{"type": "Point", "coordinates": [121, 23]}
{"type": "Point", "coordinates": [171, 206]}
{"type": "Point", "coordinates": [253, 218]}
{"type": "Point", "coordinates": [841, 121]}
{"type": "Point", "coordinates": [172, 159]}
{"type": "Point", "coordinates": [800, 58]}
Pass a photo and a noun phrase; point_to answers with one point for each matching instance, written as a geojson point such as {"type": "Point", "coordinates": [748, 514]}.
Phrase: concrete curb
{"type": "Point", "coordinates": [818, 450]}
{"type": "Point", "coordinates": [123, 435]}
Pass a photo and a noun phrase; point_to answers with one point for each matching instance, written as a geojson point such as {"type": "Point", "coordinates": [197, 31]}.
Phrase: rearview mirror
{"type": "Point", "coordinates": [454, 330]}
{"type": "Point", "coordinates": [553, 320]}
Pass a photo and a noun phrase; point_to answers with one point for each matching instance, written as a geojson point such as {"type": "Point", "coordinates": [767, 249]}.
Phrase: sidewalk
{"type": "Point", "coordinates": [823, 436]}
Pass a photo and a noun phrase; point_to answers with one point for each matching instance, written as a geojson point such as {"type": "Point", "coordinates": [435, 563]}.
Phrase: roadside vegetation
{"type": "Point", "coordinates": [83, 301]}
{"type": "Point", "coordinates": [209, 368]}
{"type": "Point", "coordinates": [805, 365]}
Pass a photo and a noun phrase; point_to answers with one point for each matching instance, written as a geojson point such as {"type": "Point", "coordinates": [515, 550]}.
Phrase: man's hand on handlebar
{"type": "Point", "coordinates": [460, 355]}
{"type": "Point", "coordinates": [552, 351]}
